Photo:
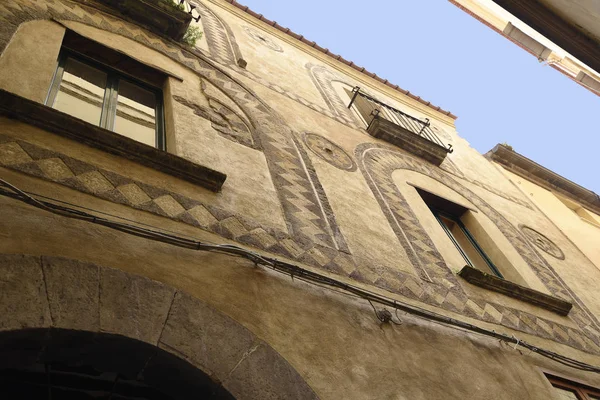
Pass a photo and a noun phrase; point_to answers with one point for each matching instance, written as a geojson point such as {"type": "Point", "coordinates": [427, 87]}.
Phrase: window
{"type": "Point", "coordinates": [85, 87]}
{"type": "Point", "coordinates": [449, 216]}
{"type": "Point", "coordinates": [567, 390]}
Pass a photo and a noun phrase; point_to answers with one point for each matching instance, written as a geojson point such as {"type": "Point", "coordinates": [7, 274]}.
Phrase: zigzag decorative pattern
{"type": "Point", "coordinates": [34, 160]}
{"type": "Point", "coordinates": [301, 205]}
{"type": "Point", "coordinates": [309, 240]}
{"type": "Point", "coordinates": [323, 78]}
{"type": "Point", "coordinates": [218, 32]}
{"type": "Point", "coordinates": [377, 164]}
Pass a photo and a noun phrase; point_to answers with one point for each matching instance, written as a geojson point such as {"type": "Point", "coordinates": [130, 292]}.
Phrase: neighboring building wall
{"type": "Point", "coordinates": [583, 230]}
{"type": "Point", "coordinates": [305, 183]}
{"type": "Point", "coordinates": [515, 30]}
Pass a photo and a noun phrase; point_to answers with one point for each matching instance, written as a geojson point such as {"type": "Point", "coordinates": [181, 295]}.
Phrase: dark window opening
{"type": "Point", "coordinates": [449, 216]}
{"type": "Point", "coordinates": [108, 89]}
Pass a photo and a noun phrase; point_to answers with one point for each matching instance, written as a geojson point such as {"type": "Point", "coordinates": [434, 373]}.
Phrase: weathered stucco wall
{"type": "Point", "coordinates": [333, 341]}
{"type": "Point", "coordinates": [584, 260]}
{"type": "Point", "coordinates": [307, 183]}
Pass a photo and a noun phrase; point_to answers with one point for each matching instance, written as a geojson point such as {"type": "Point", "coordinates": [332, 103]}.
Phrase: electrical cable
{"type": "Point", "coordinates": [286, 268]}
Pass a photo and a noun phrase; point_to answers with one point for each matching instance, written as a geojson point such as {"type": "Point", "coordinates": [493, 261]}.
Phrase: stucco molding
{"type": "Point", "coordinates": [293, 184]}
{"type": "Point", "coordinates": [329, 152]}
{"type": "Point", "coordinates": [54, 121]}
{"type": "Point", "coordinates": [542, 242]}
{"type": "Point", "coordinates": [79, 175]}
{"type": "Point", "coordinates": [377, 163]}
{"type": "Point", "coordinates": [323, 79]}
{"type": "Point", "coordinates": [447, 294]}
{"type": "Point", "coordinates": [337, 58]}
{"type": "Point", "coordinates": [222, 43]}
{"type": "Point", "coordinates": [115, 186]}
{"type": "Point", "coordinates": [41, 292]}
{"type": "Point", "coordinates": [302, 241]}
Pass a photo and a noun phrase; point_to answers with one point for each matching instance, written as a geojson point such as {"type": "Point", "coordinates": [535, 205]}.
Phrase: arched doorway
{"type": "Point", "coordinates": [58, 364]}
{"type": "Point", "coordinates": [64, 318]}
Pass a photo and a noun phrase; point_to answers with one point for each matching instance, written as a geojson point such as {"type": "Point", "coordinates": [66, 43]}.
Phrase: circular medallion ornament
{"type": "Point", "coordinates": [330, 152]}
{"type": "Point", "coordinates": [542, 242]}
{"type": "Point", "coordinates": [263, 39]}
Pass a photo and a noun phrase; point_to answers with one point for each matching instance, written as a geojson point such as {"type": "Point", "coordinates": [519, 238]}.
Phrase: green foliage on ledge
{"type": "Point", "coordinates": [192, 35]}
{"type": "Point", "coordinates": [508, 146]}
{"type": "Point", "coordinates": [174, 4]}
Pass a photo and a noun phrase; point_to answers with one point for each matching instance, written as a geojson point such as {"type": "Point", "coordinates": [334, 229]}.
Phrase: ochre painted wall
{"type": "Point", "coordinates": [346, 207]}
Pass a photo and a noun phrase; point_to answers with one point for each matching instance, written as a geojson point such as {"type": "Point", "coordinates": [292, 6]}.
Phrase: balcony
{"type": "Point", "coordinates": [170, 17]}
{"type": "Point", "coordinates": [398, 128]}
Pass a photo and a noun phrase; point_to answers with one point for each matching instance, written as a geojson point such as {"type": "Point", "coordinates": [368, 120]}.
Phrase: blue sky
{"type": "Point", "coordinates": [499, 92]}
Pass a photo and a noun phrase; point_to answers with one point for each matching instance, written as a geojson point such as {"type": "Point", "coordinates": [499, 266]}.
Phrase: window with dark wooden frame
{"type": "Point", "coordinates": [449, 216]}
{"type": "Point", "coordinates": [568, 390]}
{"type": "Point", "coordinates": [108, 89]}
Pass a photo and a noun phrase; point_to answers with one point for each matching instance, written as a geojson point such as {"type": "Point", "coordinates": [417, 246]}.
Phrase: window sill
{"type": "Point", "coordinates": [409, 141]}
{"type": "Point", "coordinates": [491, 282]}
{"type": "Point", "coordinates": [156, 14]}
{"type": "Point", "coordinates": [54, 121]}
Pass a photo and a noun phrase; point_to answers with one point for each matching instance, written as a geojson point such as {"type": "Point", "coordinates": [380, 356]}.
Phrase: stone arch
{"type": "Point", "coordinates": [377, 163]}
{"type": "Point", "coordinates": [52, 293]}
{"type": "Point", "coordinates": [40, 363]}
{"type": "Point", "coordinates": [293, 183]}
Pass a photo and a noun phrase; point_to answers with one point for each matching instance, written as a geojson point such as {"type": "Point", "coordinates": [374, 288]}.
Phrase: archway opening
{"type": "Point", "coordinates": [63, 364]}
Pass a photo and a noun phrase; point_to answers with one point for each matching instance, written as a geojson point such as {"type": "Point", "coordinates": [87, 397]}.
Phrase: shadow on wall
{"type": "Point", "coordinates": [64, 363]}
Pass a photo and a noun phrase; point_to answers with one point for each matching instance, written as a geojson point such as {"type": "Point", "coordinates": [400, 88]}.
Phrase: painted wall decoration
{"type": "Point", "coordinates": [329, 151]}
{"type": "Point", "coordinates": [263, 39]}
{"type": "Point", "coordinates": [312, 236]}
{"type": "Point", "coordinates": [323, 79]}
{"type": "Point", "coordinates": [542, 242]}
{"type": "Point", "coordinates": [220, 38]}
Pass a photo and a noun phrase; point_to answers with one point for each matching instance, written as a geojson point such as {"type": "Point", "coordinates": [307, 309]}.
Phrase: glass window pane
{"type": "Point", "coordinates": [477, 261]}
{"type": "Point", "coordinates": [81, 91]}
{"type": "Point", "coordinates": [564, 394]}
{"type": "Point", "coordinates": [136, 113]}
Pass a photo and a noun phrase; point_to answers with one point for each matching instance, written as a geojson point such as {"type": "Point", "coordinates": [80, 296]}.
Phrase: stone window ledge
{"type": "Point", "coordinates": [407, 140]}
{"type": "Point", "coordinates": [156, 14]}
{"type": "Point", "coordinates": [491, 282]}
{"type": "Point", "coordinates": [54, 121]}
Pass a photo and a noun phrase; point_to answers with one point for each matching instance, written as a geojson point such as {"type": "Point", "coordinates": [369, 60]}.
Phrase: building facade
{"type": "Point", "coordinates": [247, 215]}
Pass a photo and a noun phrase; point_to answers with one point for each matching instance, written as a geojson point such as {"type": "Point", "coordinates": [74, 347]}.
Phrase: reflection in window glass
{"type": "Point", "coordinates": [474, 257]}
{"type": "Point", "coordinates": [136, 113]}
{"type": "Point", "coordinates": [81, 91]}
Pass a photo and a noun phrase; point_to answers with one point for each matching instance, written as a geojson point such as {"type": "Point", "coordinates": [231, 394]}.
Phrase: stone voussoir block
{"type": "Point", "coordinates": [73, 293]}
{"type": "Point", "coordinates": [263, 374]}
{"type": "Point", "coordinates": [207, 338]}
{"type": "Point", "coordinates": [133, 306]}
{"type": "Point", "coordinates": [23, 300]}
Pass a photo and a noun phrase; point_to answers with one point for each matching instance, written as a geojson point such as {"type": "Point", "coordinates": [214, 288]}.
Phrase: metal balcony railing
{"type": "Point", "coordinates": [188, 7]}
{"type": "Point", "coordinates": [370, 109]}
